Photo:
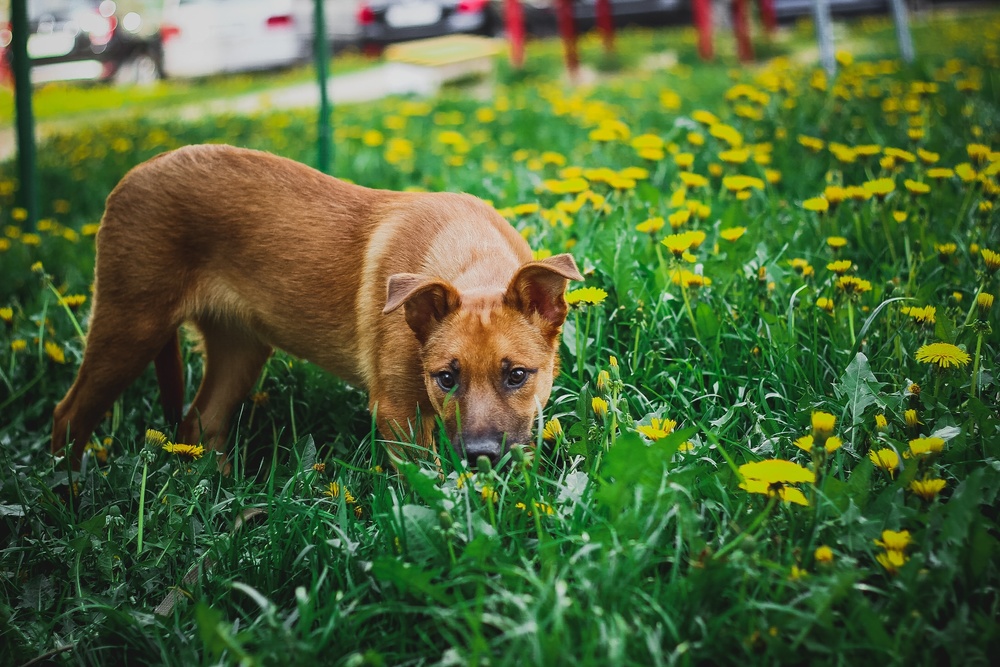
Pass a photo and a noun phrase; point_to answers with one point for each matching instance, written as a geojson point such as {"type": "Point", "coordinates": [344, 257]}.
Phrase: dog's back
{"type": "Point", "coordinates": [260, 252]}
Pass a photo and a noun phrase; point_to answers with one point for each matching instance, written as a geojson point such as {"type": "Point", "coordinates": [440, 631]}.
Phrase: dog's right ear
{"type": "Point", "coordinates": [425, 300]}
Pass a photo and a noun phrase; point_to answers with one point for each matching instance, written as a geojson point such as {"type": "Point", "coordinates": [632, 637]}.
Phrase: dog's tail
{"type": "Point", "coordinates": [170, 376]}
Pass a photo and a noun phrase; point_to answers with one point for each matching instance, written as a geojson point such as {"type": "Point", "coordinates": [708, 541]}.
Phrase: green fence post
{"type": "Point", "coordinates": [322, 56]}
{"type": "Point", "coordinates": [27, 193]}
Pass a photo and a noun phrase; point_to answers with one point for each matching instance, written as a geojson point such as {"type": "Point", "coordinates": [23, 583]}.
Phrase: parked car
{"type": "Point", "coordinates": [342, 28]}
{"type": "Point", "coordinates": [384, 22]}
{"type": "Point", "coordinates": [91, 40]}
{"type": "Point", "coordinates": [205, 37]}
{"type": "Point", "coordinates": [540, 16]}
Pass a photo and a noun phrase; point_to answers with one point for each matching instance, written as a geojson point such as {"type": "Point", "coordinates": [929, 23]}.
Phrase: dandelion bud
{"type": "Point", "coordinates": [911, 419]}
{"type": "Point", "coordinates": [823, 554]}
{"type": "Point", "coordinates": [155, 438]}
{"type": "Point", "coordinates": [822, 426]}
{"type": "Point", "coordinates": [552, 431]}
{"type": "Point", "coordinates": [600, 407]}
{"type": "Point", "coordinates": [603, 381]}
{"type": "Point", "coordinates": [484, 465]}
{"type": "Point", "coordinates": [985, 302]}
{"type": "Point", "coordinates": [445, 520]}
{"type": "Point", "coordinates": [881, 424]}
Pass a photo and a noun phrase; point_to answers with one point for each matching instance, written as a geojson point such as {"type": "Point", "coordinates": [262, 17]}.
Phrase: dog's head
{"type": "Point", "coordinates": [488, 359]}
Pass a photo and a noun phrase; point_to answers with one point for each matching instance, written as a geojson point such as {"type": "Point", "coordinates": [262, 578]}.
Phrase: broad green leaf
{"type": "Point", "coordinates": [859, 386]}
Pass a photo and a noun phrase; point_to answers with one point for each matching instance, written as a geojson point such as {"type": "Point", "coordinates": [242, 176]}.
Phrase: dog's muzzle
{"type": "Point", "coordinates": [490, 447]}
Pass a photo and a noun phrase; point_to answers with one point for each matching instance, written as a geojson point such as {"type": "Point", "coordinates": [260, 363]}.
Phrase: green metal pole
{"type": "Point", "coordinates": [27, 194]}
{"type": "Point", "coordinates": [322, 56]}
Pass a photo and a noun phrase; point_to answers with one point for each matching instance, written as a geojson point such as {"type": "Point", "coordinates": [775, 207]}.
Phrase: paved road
{"type": "Point", "coordinates": [363, 86]}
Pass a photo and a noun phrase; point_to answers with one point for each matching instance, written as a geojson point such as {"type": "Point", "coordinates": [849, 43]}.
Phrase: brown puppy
{"type": "Point", "coordinates": [431, 302]}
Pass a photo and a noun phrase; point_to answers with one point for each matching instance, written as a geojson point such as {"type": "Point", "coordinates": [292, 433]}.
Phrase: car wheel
{"type": "Point", "coordinates": [140, 69]}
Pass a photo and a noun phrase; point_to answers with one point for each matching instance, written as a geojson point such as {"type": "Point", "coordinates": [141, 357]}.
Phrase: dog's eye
{"type": "Point", "coordinates": [446, 380]}
{"type": "Point", "coordinates": [516, 378]}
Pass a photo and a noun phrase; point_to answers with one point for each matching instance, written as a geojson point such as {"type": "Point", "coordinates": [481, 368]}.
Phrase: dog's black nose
{"type": "Point", "coordinates": [491, 448]}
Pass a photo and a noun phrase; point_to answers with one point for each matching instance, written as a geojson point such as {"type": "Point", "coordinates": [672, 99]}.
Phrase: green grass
{"type": "Point", "coordinates": [611, 543]}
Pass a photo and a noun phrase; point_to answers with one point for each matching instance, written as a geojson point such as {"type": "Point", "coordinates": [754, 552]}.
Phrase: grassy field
{"type": "Point", "coordinates": [775, 438]}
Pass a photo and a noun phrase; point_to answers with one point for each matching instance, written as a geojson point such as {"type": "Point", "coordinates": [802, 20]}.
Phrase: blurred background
{"type": "Point", "coordinates": [142, 41]}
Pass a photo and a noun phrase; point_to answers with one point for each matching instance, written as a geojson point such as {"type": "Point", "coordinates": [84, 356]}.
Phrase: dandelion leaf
{"type": "Point", "coordinates": [409, 579]}
{"type": "Point", "coordinates": [859, 386]}
{"type": "Point", "coordinates": [305, 451]}
{"type": "Point", "coordinates": [633, 465]}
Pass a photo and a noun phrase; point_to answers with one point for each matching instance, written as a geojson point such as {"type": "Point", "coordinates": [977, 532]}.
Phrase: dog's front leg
{"type": "Point", "coordinates": [408, 434]}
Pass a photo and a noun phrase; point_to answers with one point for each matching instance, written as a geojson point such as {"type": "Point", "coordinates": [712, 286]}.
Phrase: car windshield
{"type": "Point", "coordinates": [39, 9]}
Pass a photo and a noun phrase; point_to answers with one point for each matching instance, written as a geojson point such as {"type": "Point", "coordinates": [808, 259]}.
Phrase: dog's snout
{"type": "Point", "coordinates": [491, 448]}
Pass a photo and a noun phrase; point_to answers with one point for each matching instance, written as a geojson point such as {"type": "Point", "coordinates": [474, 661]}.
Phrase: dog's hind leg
{"type": "Point", "coordinates": [234, 357]}
{"type": "Point", "coordinates": [170, 377]}
{"type": "Point", "coordinates": [116, 354]}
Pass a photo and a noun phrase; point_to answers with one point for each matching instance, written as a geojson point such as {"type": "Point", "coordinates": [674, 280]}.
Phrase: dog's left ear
{"type": "Point", "coordinates": [425, 300]}
{"type": "Point", "coordinates": [540, 287]}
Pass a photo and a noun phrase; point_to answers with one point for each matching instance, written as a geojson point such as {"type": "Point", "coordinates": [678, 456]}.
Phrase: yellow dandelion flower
{"type": "Point", "coordinates": [926, 446]}
{"type": "Point", "coordinates": [852, 285]}
{"type": "Point", "coordinates": [688, 278]}
{"type": "Point", "coordinates": [984, 302]}
{"type": "Point", "coordinates": [55, 352]}
{"type": "Point", "coordinates": [991, 259]}
{"type": "Point", "coordinates": [899, 216]}
{"type": "Point", "coordinates": [553, 430]}
{"type": "Point", "coordinates": [840, 267]}
{"type": "Point", "coordinates": [879, 187]}
{"type": "Point", "coordinates": [155, 438]}
{"type": "Point", "coordinates": [192, 451]}
{"type": "Point", "coordinates": [899, 154]}
{"type": "Point", "coordinates": [894, 540]}
{"type": "Point", "coordinates": [817, 204]}
{"type": "Point", "coordinates": [693, 180]}
{"type": "Point", "coordinates": [927, 488]}
{"type": "Point", "coordinates": [916, 187]}
{"type": "Point", "coordinates": [944, 355]}
{"type": "Point", "coordinates": [658, 428]}
{"type": "Point", "coordinates": [684, 160]}
{"type": "Point", "coordinates": [978, 153]}
{"type": "Point", "coordinates": [822, 424]}
{"type": "Point", "coordinates": [679, 218]}
{"type": "Point", "coordinates": [732, 233]}
{"type": "Point", "coordinates": [836, 242]}
{"type": "Point", "coordinates": [823, 554]}
{"type": "Point", "coordinates": [911, 419]}
{"type": "Point", "coordinates": [735, 156]}
{"type": "Point", "coordinates": [704, 117]}
{"type": "Point", "coordinates": [881, 423]}
{"type": "Point", "coordinates": [812, 143]}
{"type": "Point", "coordinates": [650, 226]}
{"type": "Point", "coordinates": [965, 172]}
{"type": "Point", "coordinates": [591, 296]}
{"type": "Point", "coordinates": [940, 173]}
{"type": "Point", "coordinates": [18, 345]}
{"type": "Point", "coordinates": [741, 182]}
{"type": "Point", "coordinates": [788, 494]}
{"type": "Point", "coordinates": [927, 157]}
{"type": "Point", "coordinates": [886, 459]}
{"type": "Point", "coordinates": [7, 314]}
{"type": "Point", "coordinates": [777, 471]}
{"type": "Point", "coordinates": [892, 561]}
{"type": "Point", "coordinates": [825, 304]}
{"type": "Point", "coordinates": [600, 407]}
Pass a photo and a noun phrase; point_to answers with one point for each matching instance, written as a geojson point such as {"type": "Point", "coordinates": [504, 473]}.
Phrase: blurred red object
{"type": "Point", "coordinates": [567, 29]}
{"type": "Point", "coordinates": [515, 31]}
{"type": "Point", "coordinates": [606, 24]}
